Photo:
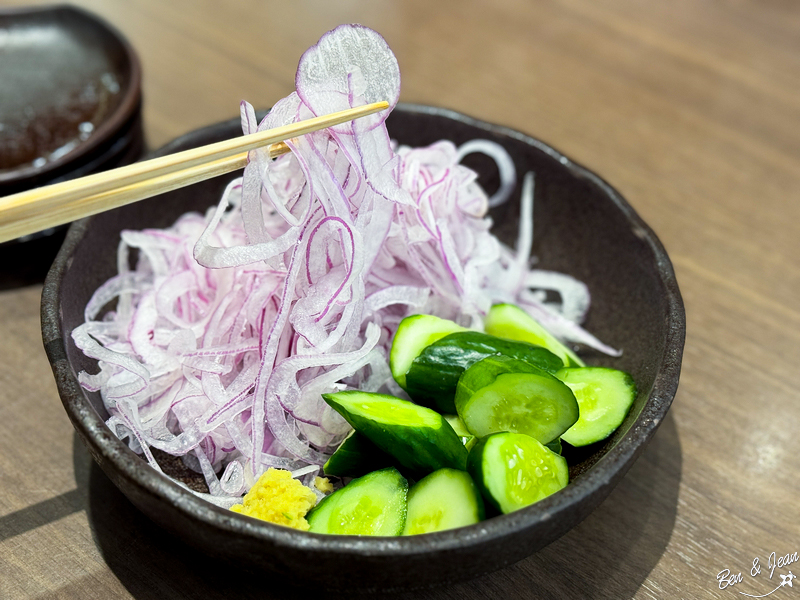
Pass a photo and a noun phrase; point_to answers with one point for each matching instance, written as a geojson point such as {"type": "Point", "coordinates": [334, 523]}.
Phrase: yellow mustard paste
{"type": "Point", "coordinates": [278, 498]}
{"type": "Point", "coordinates": [323, 484]}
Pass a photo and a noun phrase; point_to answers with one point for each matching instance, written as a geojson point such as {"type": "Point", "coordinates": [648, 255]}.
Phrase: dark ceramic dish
{"type": "Point", "coordinates": [71, 86]}
{"type": "Point", "coordinates": [70, 105]}
{"type": "Point", "coordinates": [582, 227]}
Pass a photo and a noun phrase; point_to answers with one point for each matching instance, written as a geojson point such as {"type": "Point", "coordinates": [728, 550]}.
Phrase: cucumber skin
{"type": "Point", "coordinates": [554, 446]}
{"type": "Point", "coordinates": [421, 450]}
{"type": "Point", "coordinates": [468, 439]}
{"type": "Point", "coordinates": [410, 331]}
{"type": "Point", "coordinates": [357, 456]}
{"type": "Point", "coordinates": [433, 376]}
{"type": "Point", "coordinates": [475, 469]}
{"type": "Point", "coordinates": [330, 502]}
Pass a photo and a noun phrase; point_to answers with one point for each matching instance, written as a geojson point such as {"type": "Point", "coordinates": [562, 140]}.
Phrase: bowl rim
{"type": "Point", "coordinates": [126, 108]}
{"type": "Point", "coordinates": [615, 462]}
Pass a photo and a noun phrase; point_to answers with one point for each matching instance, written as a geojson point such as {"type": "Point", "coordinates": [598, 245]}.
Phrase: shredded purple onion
{"type": "Point", "coordinates": [232, 325]}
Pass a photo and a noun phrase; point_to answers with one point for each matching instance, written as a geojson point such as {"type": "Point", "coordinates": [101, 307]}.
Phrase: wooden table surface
{"type": "Point", "coordinates": [690, 108]}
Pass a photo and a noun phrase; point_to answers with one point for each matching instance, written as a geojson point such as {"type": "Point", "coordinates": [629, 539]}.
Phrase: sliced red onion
{"type": "Point", "coordinates": [413, 297]}
{"type": "Point", "coordinates": [248, 117]}
{"type": "Point", "coordinates": [222, 501]}
{"type": "Point", "coordinates": [232, 325]}
{"type": "Point", "coordinates": [574, 294]}
{"type": "Point", "coordinates": [305, 471]}
{"type": "Point", "coordinates": [525, 236]}
{"type": "Point", "coordinates": [217, 258]}
{"type": "Point", "coordinates": [122, 284]}
{"type": "Point", "coordinates": [325, 71]}
{"type": "Point", "coordinates": [214, 486]}
{"type": "Point", "coordinates": [508, 174]}
{"type": "Point", "coordinates": [563, 328]}
{"type": "Point", "coordinates": [283, 113]}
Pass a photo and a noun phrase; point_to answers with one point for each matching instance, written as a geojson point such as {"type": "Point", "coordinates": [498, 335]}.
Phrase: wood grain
{"type": "Point", "coordinates": [691, 109]}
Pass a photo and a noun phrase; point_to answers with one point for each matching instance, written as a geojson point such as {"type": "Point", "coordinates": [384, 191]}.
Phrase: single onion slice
{"type": "Point", "coordinates": [348, 61]}
{"type": "Point", "coordinates": [508, 175]}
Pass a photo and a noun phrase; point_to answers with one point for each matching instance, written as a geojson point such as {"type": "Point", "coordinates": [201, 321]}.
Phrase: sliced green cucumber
{"type": "Point", "coordinates": [434, 374]}
{"type": "Point", "coordinates": [513, 470]}
{"type": "Point", "coordinates": [445, 499]}
{"type": "Point", "coordinates": [468, 439]}
{"type": "Point", "coordinates": [375, 504]}
{"type": "Point", "coordinates": [604, 395]}
{"type": "Point", "coordinates": [413, 334]}
{"type": "Point", "coordinates": [518, 397]}
{"type": "Point", "coordinates": [485, 371]}
{"type": "Point", "coordinates": [417, 437]}
{"type": "Point", "coordinates": [356, 456]}
{"type": "Point", "coordinates": [512, 323]}
{"type": "Point", "coordinates": [554, 446]}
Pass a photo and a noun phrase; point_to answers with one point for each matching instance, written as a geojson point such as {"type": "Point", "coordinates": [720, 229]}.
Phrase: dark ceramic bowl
{"type": "Point", "coordinates": [70, 105]}
{"type": "Point", "coordinates": [582, 227]}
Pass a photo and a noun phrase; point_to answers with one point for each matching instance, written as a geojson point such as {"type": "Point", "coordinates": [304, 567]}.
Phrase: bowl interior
{"type": "Point", "coordinates": [581, 227]}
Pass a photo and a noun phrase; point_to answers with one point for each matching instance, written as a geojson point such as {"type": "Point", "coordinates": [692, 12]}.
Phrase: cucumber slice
{"type": "Point", "coordinates": [554, 446]}
{"type": "Point", "coordinates": [513, 470]}
{"type": "Point", "coordinates": [461, 430]}
{"type": "Point", "coordinates": [413, 334]}
{"type": "Point", "coordinates": [512, 323]}
{"type": "Point", "coordinates": [511, 395]}
{"type": "Point", "coordinates": [445, 499]}
{"type": "Point", "coordinates": [604, 395]}
{"type": "Point", "coordinates": [375, 504]}
{"type": "Point", "coordinates": [356, 456]}
{"type": "Point", "coordinates": [485, 371]}
{"type": "Point", "coordinates": [434, 374]}
{"type": "Point", "coordinates": [417, 437]}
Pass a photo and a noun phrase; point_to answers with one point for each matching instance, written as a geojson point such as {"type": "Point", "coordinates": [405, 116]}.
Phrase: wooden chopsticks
{"type": "Point", "coordinates": [52, 205]}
